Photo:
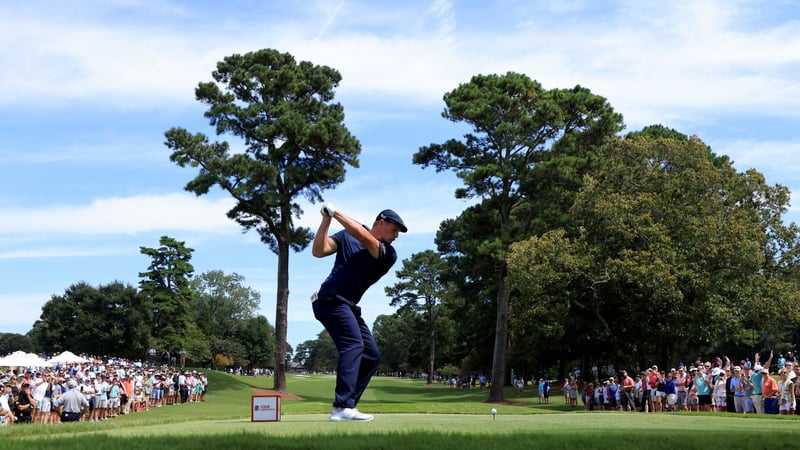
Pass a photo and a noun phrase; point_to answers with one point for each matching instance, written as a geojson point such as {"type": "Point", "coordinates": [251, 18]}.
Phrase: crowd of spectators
{"type": "Point", "coordinates": [94, 391]}
{"type": "Point", "coordinates": [717, 385]}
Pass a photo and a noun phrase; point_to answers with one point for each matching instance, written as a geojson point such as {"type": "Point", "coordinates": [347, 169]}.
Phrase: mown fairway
{"type": "Point", "coordinates": [409, 415]}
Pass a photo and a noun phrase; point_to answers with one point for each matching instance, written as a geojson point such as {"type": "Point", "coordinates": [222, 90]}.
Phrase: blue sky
{"type": "Point", "coordinates": [90, 87]}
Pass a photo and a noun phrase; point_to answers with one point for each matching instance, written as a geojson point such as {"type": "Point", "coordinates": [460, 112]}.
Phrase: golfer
{"type": "Point", "coordinates": [363, 256]}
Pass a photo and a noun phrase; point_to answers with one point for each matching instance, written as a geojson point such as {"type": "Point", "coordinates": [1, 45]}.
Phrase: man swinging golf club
{"type": "Point", "coordinates": [363, 256]}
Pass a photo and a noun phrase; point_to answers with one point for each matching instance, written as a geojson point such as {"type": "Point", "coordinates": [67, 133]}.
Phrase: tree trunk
{"type": "Point", "coordinates": [500, 338]}
{"type": "Point", "coordinates": [432, 355]}
{"type": "Point", "coordinates": [281, 308]}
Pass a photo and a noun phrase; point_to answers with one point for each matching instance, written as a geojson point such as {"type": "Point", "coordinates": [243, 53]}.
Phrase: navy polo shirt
{"type": "Point", "coordinates": [355, 270]}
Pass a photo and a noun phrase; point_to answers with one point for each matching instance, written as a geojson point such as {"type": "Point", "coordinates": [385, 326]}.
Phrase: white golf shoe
{"type": "Point", "coordinates": [349, 415]}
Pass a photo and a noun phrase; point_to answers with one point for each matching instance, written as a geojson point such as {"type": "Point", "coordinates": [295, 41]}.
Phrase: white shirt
{"type": "Point", "coordinates": [39, 389]}
{"type": "Point", "coordinates": [4, 403]}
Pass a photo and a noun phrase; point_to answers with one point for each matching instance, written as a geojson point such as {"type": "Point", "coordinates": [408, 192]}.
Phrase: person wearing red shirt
{"type": "Point", "coordinates": [627, 392]}
{"type": "Point", "coordinates": [769, 392]}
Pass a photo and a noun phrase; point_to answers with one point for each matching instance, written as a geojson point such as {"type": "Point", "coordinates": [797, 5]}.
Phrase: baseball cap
{"type": "Point", "coordinates": [391, 216]}
{"type": "Point", "coordinates": [72, 384]}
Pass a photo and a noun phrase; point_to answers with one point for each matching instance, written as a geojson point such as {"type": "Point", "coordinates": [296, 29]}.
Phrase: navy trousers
{"type": "Point", "coordinates": [358, 353]}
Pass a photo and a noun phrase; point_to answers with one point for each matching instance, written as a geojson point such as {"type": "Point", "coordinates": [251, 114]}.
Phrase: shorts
{"type": "Point", "coordinates": [671, 399]}
{"type": "Point", "coordinates": [721, 403]}
{"type": "Point", "coordinates": [113, 402]}
{"type": "Point", "coordinates": [692, 401]}
{"type": "Point", "coordinates": [47, 405]}
{"type": "Point", "coordinates": [704, 400]}
{"type": "Point", "coordinates": [653, 394]}
{"type": "Point", "coordinates": [158, 394]}
{"type": "Point", "coordinates": [100, 403]}
{"type": "Point", "coordinates": [681, 398]}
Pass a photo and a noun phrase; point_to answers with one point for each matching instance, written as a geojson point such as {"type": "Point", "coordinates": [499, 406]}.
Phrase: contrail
{"type": "Point", "coordinates": [330, 20]}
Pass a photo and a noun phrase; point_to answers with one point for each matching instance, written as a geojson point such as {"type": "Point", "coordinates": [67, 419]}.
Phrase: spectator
{"type": "Point", "coordinates": [25, 404]}
{"type": "Point", "coordinates": [740, 384]}
{"type": "Point", "coordinates": [7, 415]}
{"type": "Point", "coordinates": [628, 386]}
{"type": "Point", "coordinates": [73, 402]}
{"type": "Point", "coordinates": [789, 366]}
{"type": "Point", "coordinates": [757, 379]}
{"type": "Point", "coordinates": [703, 388]}
{"type": "Point", "coordinates": [769, 392]}
{"type": "Point", "coordinates": [720, 391]}
{"type": "Point", "coordinates": [785, 393]}
{"type": "Point", "coordinates": [670, 391]}
{"type": "Point", "coordinates": [692, 402]}
{"type": "Point", "coordinates": [541, 391]}
{"type": "Point", "coordinates": [588, 397]}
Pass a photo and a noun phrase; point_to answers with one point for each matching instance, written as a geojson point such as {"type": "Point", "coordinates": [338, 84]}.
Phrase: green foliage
{"type": "Point", "coordinates": [449, 370]}
{"type": "Point", "coordinates": [11, 342]}
{"type": "Point", "coordinates": [419, 291]}
{"type": "Point", "coordinates": [320, 354]}
{"type": "Point", "coordinates": [397, 337]}
{"type": "Point", "coordinates": [257, 337]}
{"type": "Point", "coordinates": [669, 257]}
{"type": "Point", "coordinates": [166, 285]}
{"type": "Point", "coordinates": [221, 306]}
{"type": "Point", "coordinates": [296, 142]}
{"type": "Point", "coordinates": [221, 360]}
{"type": "Point", "coordinates": [107, 320]}
{"type": "Point", "coordinates": [197, 348]}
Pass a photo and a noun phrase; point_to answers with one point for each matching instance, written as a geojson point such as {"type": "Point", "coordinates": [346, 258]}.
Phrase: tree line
{"type": "Point", "coordinates": [208, 318]}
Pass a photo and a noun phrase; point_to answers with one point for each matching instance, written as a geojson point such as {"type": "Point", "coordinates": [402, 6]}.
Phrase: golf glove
{"type": "Point", "coordinates": [328, 209]}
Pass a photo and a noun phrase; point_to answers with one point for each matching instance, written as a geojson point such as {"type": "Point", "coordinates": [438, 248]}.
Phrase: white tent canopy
{"type": "Point", "coordinates": [22, 359]}
{"type": "Point", "coordinates": [67, 357]}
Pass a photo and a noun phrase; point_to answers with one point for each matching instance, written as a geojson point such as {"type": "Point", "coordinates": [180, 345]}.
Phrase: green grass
{"type": "Point", "coordinates": [409, 415]}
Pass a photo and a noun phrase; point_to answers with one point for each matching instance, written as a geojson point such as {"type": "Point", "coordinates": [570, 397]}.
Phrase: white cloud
{"type": "Point", "coordinates": [122, 215]}
{"type": "Point", "coordinates": [62, 252]}
{"type": "Point", "coordinates": [686, 55]}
